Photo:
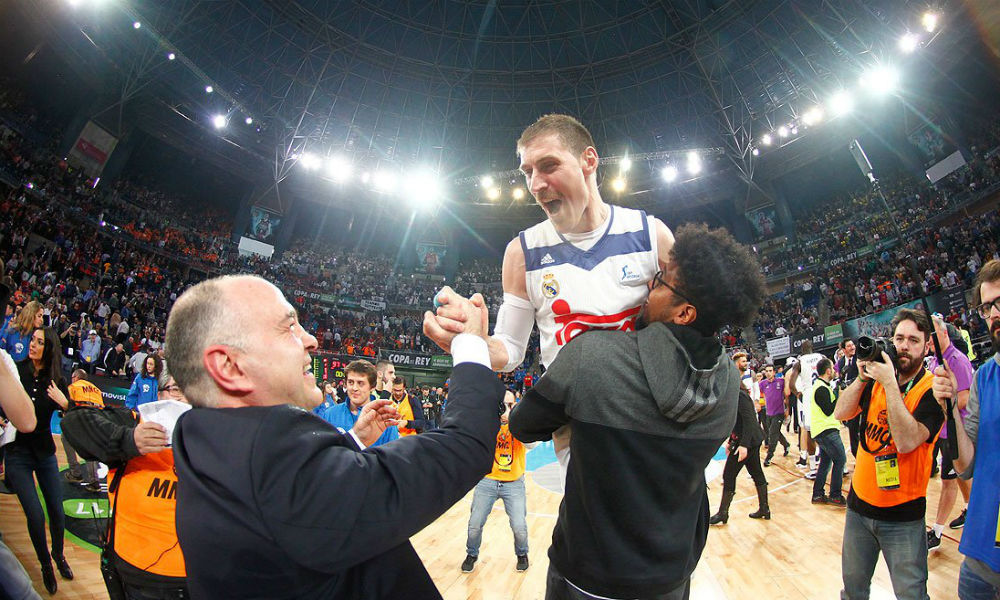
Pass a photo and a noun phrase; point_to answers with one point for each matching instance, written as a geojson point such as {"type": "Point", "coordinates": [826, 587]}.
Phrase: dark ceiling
{"type": "Point", "coordinates": [450, 84]}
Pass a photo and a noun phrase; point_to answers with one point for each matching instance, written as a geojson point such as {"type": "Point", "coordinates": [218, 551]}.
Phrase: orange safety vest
{"type": "Point", "coordinates": [145, 533]}
{"type": "Point", "coordinates": [85, 393]}
{"type": "Point", "coordinates": [508, 459]}
{"type": "Point", "coordinates": [914, 467]}
{"type": "Point", "coordinates": [405, 413]}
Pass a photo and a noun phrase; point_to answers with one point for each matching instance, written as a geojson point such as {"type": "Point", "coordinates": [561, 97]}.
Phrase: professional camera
{"type": "Point", "coordinates": [871, 349]}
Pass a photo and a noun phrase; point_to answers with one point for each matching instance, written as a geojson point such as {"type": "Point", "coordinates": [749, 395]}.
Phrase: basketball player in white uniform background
{"type": "Point", "coordinates": [799, 379]}
{"type": "Point", "coordinates": [587, 266]}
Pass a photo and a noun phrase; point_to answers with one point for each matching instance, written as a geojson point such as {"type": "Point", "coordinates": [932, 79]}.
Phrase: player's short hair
{"type": "Point", "coordinates": [362, 367]}
{"type": "Point", "coordinates": [397, 380]}
{"type": "Point", "coordinates": [571, 132]}
{"type": "Point", "coordinates": [739, 355]}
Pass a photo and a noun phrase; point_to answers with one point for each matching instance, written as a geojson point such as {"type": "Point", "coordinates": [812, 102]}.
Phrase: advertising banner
{"type": "Point", "coordinates": [779, 347]}
{"type": "Point", "coordinates": [877, 325]}
{"type": "Point", "coordinates": [92, 149]}
{"type": "Point", "coordinates": [406, 359]}
{"type": "Point", "coordinates": [263, 225]}
{"type": "Point", "coordinates": [373, 304]}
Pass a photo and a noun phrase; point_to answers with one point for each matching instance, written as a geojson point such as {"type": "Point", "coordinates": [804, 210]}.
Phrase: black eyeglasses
{"type": "Point", "coordinates": [658, 280]}
{"type": "Point", "coordinates": [986, 308]}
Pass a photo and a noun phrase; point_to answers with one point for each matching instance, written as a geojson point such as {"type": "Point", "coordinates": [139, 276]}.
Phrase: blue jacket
{"type": "Point", "coordinates": [328, 403]}
{"type": "Point", "coordinates": [15, 343]}
{"type": "Point", "coordinates": [143, 390]}
{"type": "Point", "coordinates": [979, 538]}
{"type": "Point", "coordinates": [339, 415]}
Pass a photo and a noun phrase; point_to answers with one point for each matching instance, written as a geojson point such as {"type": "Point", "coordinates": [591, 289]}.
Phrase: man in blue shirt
{"type": "Point", "coordinates": [361, 377]}
{"type": "Point", "coordinates": [90, 351]}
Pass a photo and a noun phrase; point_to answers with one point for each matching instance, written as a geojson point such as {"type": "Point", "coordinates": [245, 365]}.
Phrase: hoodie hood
{"type": "Point", "coordinates": [688, 373]}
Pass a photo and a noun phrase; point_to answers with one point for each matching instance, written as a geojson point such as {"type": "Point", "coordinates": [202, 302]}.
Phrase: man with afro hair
{"type": "Point", "coordinates": [649, 408]}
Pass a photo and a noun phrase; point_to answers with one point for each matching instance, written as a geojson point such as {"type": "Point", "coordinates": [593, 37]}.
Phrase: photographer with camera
{"type": "Point", "coordinates": [900, 420]}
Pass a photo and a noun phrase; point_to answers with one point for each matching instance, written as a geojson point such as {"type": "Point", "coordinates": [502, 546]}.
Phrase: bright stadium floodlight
{"type": "Point", "coordinates": [755, 152]}
{"type": "Point", "coordinates": [136, 25]}
{"type": "Point", "coordinates": [625, 165]}
{"type": "Point", "coordinates": [219, 121]}
{"type": "Point", "coordinates": [248, 120]}
{"type": "Point", "coordinates": [209, 89]}
{"type": "Point", "coordinates": [909, 42]}
{"type": "Point", "coordinates": [881, 79]}
{"type": "Point", "coordinates": [693, 163]}
{"type": "Point", "coordinates": [669, 173]}
{"type": "Point", "coordinates": [794, 130]}
{"type": "Point", "coordinates": [384, 180]}
{"type": "Point", "coordinates": [618, 184]}
{"type": "Point", "coordinates": [486, 182]}
{"type": "Point", "coordinates": [929, 21]}
{"type": "Point", "coordinates": [766, 139]}
{"type": "Point", "coordinates": [310, 162]}
{"type": "Point", "coordinates": [841, 103]}
{"type": "Point", "coordinates": [338, 168]}
{"type": "Point", "coordinates": [493, 193]}
{"type": "Point", "coordinates": [812, 116]}
{"type": "Point", "coordinates": [424, 188]}
{"type": "Point", "coordinates": [171, 56]}
{"type": "Point", "coordinates": [518, 193]}
{"type": "Point", "coordinates": [782, 132]}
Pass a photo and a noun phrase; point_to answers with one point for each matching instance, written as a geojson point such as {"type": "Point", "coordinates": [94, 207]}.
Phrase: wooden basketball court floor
{"type": "Point", "coordinates": [794, 556]}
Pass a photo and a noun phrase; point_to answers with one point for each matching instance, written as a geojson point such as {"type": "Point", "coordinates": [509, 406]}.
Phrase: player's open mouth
{"type": "Point", "coordinates": [552, 206]}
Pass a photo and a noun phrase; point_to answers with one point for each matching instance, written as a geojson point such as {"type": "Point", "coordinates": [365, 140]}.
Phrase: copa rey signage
{"type": "Point", "coordinates": [406, 359]}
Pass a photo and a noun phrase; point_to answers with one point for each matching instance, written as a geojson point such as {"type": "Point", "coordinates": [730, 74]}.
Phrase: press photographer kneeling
{"type": "Point", "coordinates": [899, 421]}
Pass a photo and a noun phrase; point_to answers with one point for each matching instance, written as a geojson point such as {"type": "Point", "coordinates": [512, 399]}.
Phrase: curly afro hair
{"type": "Point", "coordinates": [720, 276]}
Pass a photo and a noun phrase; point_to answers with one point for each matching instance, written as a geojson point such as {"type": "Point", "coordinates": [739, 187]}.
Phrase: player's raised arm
{"type": "Point", "coordinates": [516, 315]}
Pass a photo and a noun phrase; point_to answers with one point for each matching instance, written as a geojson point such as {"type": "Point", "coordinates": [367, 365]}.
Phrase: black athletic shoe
{"type": "Point", "coordinates": [837, 501]}
{"type": "Point", "coordinates": [933, 541]}
{"type": "Point", "coordinates": [522, 562]}
{"type": "Point", "coordinates": [959, 522]}
{"type": "Point", "coordinates": [801, 462]}
{"type": "Point", "coordinates": [767, 462]}
{"type": "Point", "coordinates": [786, 450]}
{"type": "Point", "coordinates": [820, 500]}
{"type": "Point", "coordinates": [468, 564]}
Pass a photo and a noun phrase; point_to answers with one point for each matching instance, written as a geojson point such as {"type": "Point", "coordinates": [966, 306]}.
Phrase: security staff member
{"type": "Point", "coordinates": [143, 553]}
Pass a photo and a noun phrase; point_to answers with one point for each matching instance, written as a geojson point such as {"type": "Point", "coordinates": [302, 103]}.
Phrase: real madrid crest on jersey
{"type": "Point", "coordinates": [550, 287]}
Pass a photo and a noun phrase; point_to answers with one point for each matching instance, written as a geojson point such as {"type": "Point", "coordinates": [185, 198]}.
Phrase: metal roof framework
{"type": "Point", "coordinates": [450, 84]}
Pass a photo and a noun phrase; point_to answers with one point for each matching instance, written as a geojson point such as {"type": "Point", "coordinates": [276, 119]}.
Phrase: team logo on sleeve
{"type": "Point", "coordinates": [550, 287]}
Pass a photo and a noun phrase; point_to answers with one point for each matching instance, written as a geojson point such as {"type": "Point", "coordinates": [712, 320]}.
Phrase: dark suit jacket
{"type": "Point", "coordinates": [746, 431]}
{"type": "Point", "coordinates": [273, 502]}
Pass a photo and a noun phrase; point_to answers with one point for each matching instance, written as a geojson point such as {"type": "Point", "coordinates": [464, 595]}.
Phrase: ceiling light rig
{"type": "Point", "coordinates": [879, 80]}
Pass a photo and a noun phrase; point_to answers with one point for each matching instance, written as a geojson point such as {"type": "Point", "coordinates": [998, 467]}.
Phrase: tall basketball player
{"type": "Point", "coordinates": [585, 267]}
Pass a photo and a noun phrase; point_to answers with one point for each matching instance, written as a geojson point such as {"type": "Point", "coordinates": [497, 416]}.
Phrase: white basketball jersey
{"type": "Point", "coordinates": [574, 290]}
{"type": "Point", "coordinates": [807, 372]}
